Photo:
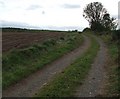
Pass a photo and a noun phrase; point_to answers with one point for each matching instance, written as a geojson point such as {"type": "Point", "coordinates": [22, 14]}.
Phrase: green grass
{"type": "Point", "coordinates": [22, 62]}
{"type": "Point", "coordinates": [64, 83]}
{"type": "Point", "coordinates": [114, 70]}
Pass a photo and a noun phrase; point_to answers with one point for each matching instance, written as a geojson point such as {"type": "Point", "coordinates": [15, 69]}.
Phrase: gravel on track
{"type": "Point", "coordinates": [94, 84]}
{"type": "Point", "coordinates": [32, 84]}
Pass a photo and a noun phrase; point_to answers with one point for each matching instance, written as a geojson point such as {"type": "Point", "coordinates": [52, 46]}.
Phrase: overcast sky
{"type": "Point", "coordinates": [49, 14]}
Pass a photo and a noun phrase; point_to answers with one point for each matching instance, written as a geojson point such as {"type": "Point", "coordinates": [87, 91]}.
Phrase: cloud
{"type": "Point", "coordinates": [43, 12]}
{"type": "Point", "coordinates": [47, 27]}
{"type": "Point", "coordinates": [2, 4]}
{"type": "Point", "coordinates": [70, 6]}
{"type": "Point", "coordinates": [13, 24]}
{"type": "Point", "coordinates": [33, 7]}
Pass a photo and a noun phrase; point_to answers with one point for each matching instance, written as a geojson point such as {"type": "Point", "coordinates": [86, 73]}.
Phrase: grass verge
{"type": "Point", "coordinates": [21, 63]}
{"type": "Point", "coordinates": [114, 69]}
{"type": "Point", "coordinates": [64, 83]}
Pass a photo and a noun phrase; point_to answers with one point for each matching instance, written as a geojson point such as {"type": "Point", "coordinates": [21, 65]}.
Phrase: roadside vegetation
{"type": "Point", "coordinates": [20, 63]}
{"type": "Point", "coordinates": [103, 24]}
{"type": "Point", "coordinates": [113, 43]}
{"type": "Point", "coordinates": [65, 83]}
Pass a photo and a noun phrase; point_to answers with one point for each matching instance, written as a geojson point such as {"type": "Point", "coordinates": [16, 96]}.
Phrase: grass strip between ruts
{"type": "Point", "coordinates": [65, 82]}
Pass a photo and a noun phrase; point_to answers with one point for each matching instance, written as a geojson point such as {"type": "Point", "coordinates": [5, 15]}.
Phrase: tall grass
{"type": "Point", "coordinates": [114, 68]}
{"type": "Point", "coordinates": [22, 62]}
{"type": "Point", "coordinates": [115, 71]}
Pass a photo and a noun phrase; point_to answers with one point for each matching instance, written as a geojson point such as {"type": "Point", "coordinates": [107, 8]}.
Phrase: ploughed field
{"type": "Point", "coordinates": [14, 39]}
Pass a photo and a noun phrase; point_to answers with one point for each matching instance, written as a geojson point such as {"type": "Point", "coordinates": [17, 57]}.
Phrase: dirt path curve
{"type": "Point", "coordinates": [30, 85]}
{"type": "Point", "coordinates": [94, 84]}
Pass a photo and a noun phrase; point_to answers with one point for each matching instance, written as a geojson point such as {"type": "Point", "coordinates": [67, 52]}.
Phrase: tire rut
{"type": "Point", "coordinates": [94, 83]}
{"type": "Point", "coordinates": [32, 84]}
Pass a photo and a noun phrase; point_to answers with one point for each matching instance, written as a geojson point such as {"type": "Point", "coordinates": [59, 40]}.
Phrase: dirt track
{"type": "Point", "coordinates": [94, 84]}
{"type": "Point", "coordinates": [30, 85]}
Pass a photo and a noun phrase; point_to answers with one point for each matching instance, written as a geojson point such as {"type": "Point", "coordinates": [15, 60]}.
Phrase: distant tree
{"type": "Point", "coordinates": [98, 17]}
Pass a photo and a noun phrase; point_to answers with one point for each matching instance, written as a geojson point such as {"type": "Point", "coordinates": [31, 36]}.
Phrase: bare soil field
{"type": "Point", "coordinates": [12, 40]}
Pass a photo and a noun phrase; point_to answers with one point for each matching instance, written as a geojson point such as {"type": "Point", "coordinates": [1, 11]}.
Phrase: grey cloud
{"type": "Point", "coordinates": [47, 27]}
{"type": "Point", "coordinates": [14, 24]}
{"type": "Point", "coordinates": [34, 7]}
{"type": "Point", "coordinates": [43, 12]}
{"type": "Point", "coordinates": [2, 4]}
{"type": "Point", "coordinates": [70, 6]}
{"type": "Point", "coordinates": [9, 23]}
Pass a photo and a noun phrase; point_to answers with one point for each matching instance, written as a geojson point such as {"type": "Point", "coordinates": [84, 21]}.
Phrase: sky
{"type": "Point", "coordinates": [49, 14]}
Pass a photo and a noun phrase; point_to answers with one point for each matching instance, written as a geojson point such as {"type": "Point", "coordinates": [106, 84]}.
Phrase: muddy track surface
{"type": "Point", "coordinates": [94, 84]}
{"type": "Point", "coordinates": [30, 85]}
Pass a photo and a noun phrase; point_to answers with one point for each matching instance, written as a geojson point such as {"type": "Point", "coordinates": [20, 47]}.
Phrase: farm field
{"type": "Point", "coordinates": [15, 39]}
{"type": "Point", "coordinates": [23, 60]}
{"type": "Point", "coordinates": [37, 64]}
